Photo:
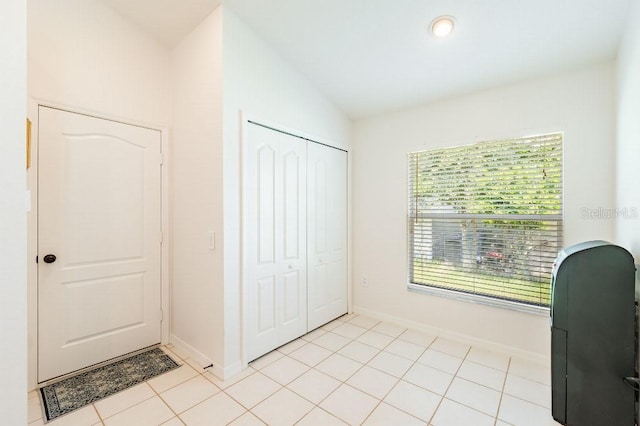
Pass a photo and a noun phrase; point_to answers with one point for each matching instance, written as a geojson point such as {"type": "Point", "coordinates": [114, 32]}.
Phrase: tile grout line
{"type": "Point", "coordinates": [450, 383]}
{"type": "Point", "coordinates": [159, 396]}
{"type": "Point", "coordinates": [344, 382]}
{"type": "Point", "coordinates": [504, 383]}
{"type": "Point", "coordinates": [169, 406]}
{"type": "Point", "coordinates": [319, 408]}
{"type": "Point", "coordinates": [399, 379]}
{"type": "Point", "coordinates": [259, 402]}
{"type": "Point", "coordinates": [484, 386]}
{"type": "Point", "coordinates": [183, 362]}
{"type": "Point", "coordinates": [97, 413]}
{"type": "Point", "coordinates": [442, 397]}
{"type": "Point", "coordinates": [314, 405]}
{"type": "Point", "coordinates": [227, 394]}
{"type": "Point", "coordinates": [334, 352]}
{"type": "Point", "coordinates": [479, 384]}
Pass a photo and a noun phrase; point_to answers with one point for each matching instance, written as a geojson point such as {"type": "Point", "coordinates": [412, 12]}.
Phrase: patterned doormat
{"type": "Point", "coordinates": [75, 392]}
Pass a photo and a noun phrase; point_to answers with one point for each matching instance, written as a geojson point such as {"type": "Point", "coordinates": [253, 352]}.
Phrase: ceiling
{"type": "Point", "coordinates": [375, 56]}
{"type": "Point", "coordinates": [169, 21]}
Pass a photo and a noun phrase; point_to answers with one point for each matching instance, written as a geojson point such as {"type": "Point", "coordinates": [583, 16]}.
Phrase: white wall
{"type": "Point", "coordinates": [197, 294]}
{"type": "Point", "coordinates": [628, 139]}
{"type": "Point", "coordinates": [580, 103]}
{"type": "Point", "coordinates": [13, 275]}
{"type": "Point", "coordinates": [628, 146]}
{"type": "Point", "coordinates": [84, 56]}
{"type": "Point", "coordinates": [259, 82]}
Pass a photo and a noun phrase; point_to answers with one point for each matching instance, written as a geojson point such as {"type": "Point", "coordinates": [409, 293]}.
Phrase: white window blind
{"type": "Point", "coordinates": [486, 219]}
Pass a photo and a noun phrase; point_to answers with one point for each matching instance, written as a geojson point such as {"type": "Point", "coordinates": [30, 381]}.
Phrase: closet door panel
{"type": "Point", "coordinates": [337, 286]}
{"type": "Point", "coordinates": [266, 204]}
{"type": "Point", "coordinates": [318, 282]}
{"type": "Point", "coordinates": [292, 205]}
{"type": "Point", "coordinates": [327, 216]}
{"type": "Point", "coordinates": [318, 206]}
{"type": "Point", "coordinates": [261, 281]}
{"type": "Point", "coordinates": [274, 240]}
{"type": "Point", "coordinates": [265, 305]}
{"type": "Point", "coordinates": [292, 258]}
{"type": "Point", "coordinates": [291, 298]}
{"type": "Point", "coordinates": [337, 231]}
{"type": "Point", "coordinates": [318, 293]}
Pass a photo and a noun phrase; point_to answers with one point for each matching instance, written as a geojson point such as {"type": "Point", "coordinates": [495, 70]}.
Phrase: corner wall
{"type": "Point", "coordinates": [257, 81]}
{"type": "Point", "coordinates": [580, 103]}
{"type": "Point", "coordinates": [628, 141]}
{"type": "Point", "coordinates": [196, 175]}
{"type": "Point", "coordinates": [13, 228]}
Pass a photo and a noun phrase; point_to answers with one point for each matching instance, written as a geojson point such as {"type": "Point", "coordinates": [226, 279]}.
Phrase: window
{"type": "Point", "coordinates": [486, 219]}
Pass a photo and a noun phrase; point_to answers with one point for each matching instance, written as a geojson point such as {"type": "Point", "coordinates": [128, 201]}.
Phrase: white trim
{"type": "Point", "coordinates": [349, 230]}
{"type": "Point", "coordinates": [460, 337]}
{"type": "Point", "coordinates": [244, 297]}
{"type": "Point", "coordinates": [190, 352]}
{"type": "Point", "coordinates": [32, 227]}
{"type": "Point", "coordinates": [245, 119]}
{"type": "Point", "coordinates": [166, 237]}
{"type": "Point", "coordinates": [479, 299]}
{"type": "Point", "coordinates": [95, 113]}
{"type": "Point", "coordinates": [32, 252]}
{"type": "Point", "coordinates": [227, 372]}
{"type": "Point", "coordinates": [222, 373]}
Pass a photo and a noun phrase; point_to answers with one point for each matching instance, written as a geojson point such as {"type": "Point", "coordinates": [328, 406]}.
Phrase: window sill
{"type": "Point", "coordinates": [482, 300]}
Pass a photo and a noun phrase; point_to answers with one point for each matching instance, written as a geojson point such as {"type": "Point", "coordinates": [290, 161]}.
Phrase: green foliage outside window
{"type": "Point", "coordinates": [486, 218]}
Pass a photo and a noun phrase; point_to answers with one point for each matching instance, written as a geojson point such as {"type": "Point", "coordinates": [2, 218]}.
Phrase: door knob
{"type": "Point", "coordinates": [50, 258]}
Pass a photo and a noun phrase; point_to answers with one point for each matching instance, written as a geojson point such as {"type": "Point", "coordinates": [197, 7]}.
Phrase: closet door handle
{"type": "Point", "coordinates": [290, 267]}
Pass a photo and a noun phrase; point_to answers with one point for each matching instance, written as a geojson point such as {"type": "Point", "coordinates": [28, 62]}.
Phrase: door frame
{"type": "Point", "coordinates": [245, 120]}
{"type": "Point", "coordinates": [32, 226]}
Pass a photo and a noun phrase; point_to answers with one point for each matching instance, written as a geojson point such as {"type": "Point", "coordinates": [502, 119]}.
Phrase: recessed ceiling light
{"type": "Point", "coordinates": [442, 26]}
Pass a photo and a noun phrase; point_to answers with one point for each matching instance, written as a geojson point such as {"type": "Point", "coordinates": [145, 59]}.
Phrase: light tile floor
{"type": "Point", "coordinates": [354, 370]}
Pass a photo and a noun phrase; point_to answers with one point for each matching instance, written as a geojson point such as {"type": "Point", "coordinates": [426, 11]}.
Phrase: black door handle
{"type": "Point", "coordinates": [50, 258]}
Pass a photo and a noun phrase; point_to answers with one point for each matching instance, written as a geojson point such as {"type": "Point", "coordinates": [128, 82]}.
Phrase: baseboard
{"type": "Point", "coordinates": [202, 360]}
{"type": "Point", "coordinates": [230, 370]}
{"type": "Point", "coordinates": [198, 357]}
{"type": "Point", "coordinates": [448, 334]}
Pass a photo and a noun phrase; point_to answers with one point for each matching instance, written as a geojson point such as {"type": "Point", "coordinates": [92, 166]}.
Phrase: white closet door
{"type": "Point", "coordinates": [327, 234]}
{"type": "Point", "coordinates": [275, 240]}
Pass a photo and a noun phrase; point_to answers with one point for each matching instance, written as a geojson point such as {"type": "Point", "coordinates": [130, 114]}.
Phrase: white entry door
{"type": "Point", "coordinates": [99, 240]}
{"type": "Point", "coordinates": [327, 234]}
{"type": "Point", "coordinates": [274, 240]}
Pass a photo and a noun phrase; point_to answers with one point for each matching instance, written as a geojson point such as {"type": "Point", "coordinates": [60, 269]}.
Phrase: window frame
{"type": "Point", "coordinates": [470, 296]}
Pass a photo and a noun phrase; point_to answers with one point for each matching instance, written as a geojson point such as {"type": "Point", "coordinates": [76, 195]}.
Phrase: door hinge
{"type": "Point", "coordinates": [161, 315]}
{"type": "Point", "coordinates": [161, 237]}
{"type": "Point", "coordinates": [161, 158]}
